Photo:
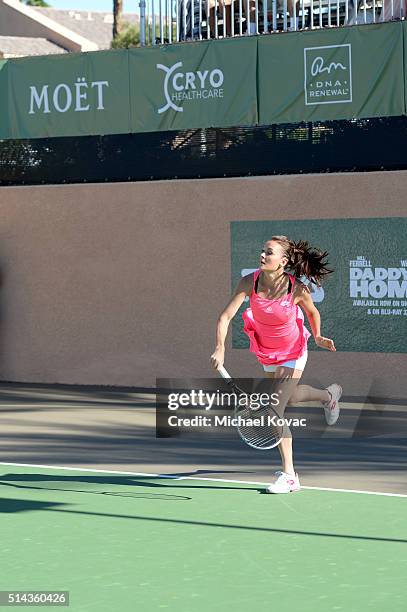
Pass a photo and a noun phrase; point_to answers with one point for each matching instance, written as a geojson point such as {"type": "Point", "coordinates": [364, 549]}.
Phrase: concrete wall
{"type": "Point", "coordinates": [117, 284]}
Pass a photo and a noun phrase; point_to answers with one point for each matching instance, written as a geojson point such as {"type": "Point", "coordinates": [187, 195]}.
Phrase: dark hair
{"type": "Point", "coordinates": [304, 260]}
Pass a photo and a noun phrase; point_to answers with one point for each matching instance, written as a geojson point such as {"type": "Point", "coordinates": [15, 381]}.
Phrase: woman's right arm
{"type": "Point", "coordinates": [242, 290]}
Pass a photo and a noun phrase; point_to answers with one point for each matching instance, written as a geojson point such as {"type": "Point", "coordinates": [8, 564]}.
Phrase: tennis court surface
{"type": "Point", "coordinates": [79, 514]}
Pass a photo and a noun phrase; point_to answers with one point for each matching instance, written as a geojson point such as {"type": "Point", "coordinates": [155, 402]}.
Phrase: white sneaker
{"type": "Point", "coordinates": [285, 483]}
{"type": "Point", "coordinates": [332, 408]}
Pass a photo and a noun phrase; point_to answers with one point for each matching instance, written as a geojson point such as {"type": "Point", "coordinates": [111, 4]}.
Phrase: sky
{"type": "Point", "coordinates": [130, 6]}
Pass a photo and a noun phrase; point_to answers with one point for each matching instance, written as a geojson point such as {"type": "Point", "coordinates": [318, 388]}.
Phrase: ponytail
{"type": "Point", "coordinates": [305, 260]}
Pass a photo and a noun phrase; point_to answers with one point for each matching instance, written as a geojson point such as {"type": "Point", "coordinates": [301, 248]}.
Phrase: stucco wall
{"type": "Point", "coordinates": [119, 283]}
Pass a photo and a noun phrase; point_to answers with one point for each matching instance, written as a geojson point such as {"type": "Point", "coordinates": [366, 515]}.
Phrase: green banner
{"type": "Point", "coordinates": [341, 73]}
{"type": "Point", "coordinates": [192, 85]}
{"type": "Point", "coordinates": [404, 26]}
{"type": "Point", "coordinates": [4, 117]}
{"type": "Point", "coordinates": [363, 304]}
{"type": "Point", "coordinates": [68, 95]}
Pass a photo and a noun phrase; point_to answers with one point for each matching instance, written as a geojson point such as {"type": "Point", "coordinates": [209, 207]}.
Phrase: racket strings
{"type": "Point", "coordinates": [263, 435]}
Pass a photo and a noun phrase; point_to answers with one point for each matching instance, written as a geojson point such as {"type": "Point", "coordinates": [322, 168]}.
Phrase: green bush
{"type": "Point", "coordinates": [129, 37]}
{"type": "Point", "coordinates": [36, 3]}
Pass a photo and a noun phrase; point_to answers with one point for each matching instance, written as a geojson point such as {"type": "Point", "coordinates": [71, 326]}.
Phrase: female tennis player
{"type": "Point", "coordinates": [275, 326]}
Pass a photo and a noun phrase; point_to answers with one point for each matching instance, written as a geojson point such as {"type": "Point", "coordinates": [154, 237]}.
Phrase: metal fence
{"type": "Point", "coordinates": [168, 21]}
{"type": "Point", "coordinates": [332, 146]}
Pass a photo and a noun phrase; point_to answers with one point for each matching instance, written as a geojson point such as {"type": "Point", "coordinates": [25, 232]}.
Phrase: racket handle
{"type": "Point", "coordinates": [224, 373]}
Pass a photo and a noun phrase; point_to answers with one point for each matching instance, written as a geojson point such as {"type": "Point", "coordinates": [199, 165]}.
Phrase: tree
{"type": "Point", "coordinates": [36, 3]}
{"type": "Point", "coordinates": [117, 17]}
{"type": "Point", "coordinates": [128, 37]}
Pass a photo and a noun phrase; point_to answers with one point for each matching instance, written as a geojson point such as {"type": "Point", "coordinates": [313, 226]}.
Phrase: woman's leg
{"type": "Point", "coordinates": [227, 28]}
{"type": "Point", "coordinates": [289, 481]}
{"type": "Point", "coordinates": [286, 452]}
{"type": "Point", "coordinates": [212, 22]}
{"type": "Point", "coordinates": [286, 445]}
{"type": "Point", "coordinates": [301, 393]}
{"type": "Point", "coordinates": [305, 393]}
{"type": "Point", "coordinates": [292, 9]}
{"type": "Point", "coordinates": [214, 31]}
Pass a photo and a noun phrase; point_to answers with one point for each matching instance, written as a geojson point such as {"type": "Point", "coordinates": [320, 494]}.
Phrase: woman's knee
{"type": "Point", "coordinates": [294, 397]}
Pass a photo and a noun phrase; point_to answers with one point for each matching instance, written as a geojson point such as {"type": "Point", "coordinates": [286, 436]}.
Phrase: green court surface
{"type": "Point", "coordinates": [122, 542]}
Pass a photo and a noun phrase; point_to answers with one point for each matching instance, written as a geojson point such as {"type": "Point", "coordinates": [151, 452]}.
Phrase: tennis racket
{"type": "Point", "coordinates": [264, 436]}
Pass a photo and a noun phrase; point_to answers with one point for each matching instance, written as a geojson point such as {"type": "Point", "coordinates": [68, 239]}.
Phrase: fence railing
{"type": "Point", "coordinates": [168, 21]}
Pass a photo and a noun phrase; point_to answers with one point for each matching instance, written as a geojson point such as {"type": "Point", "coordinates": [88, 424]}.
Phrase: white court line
{"type": "Point", "coordinates": [167, 476]}
{"type": "Point", "coordinates": [66, 406]}
{"type": "Point", "coordinates": [94, 402]}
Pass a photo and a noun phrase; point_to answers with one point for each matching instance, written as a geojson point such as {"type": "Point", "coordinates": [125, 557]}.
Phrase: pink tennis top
{"type": "Point", "coordinates": [275, 327]}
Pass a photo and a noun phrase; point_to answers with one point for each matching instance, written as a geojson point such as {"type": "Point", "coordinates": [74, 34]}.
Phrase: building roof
{"type": "Point", "coordinates": [20, 46]}
{"type": "Point", "coordinates": [93, 25]}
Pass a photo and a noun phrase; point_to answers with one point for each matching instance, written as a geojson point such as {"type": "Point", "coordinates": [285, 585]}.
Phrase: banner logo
{"type": "Point", "coordinates": [81, 96]}
{"type": "Point", "coordinates": [328, 74]}
{"type": "Point", "coordinates": [180, 86]}
{"type": "Point", "coordinates": [382, 290]}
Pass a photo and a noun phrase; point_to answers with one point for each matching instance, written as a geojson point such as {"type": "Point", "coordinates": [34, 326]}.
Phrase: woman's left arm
{"type": "Point", "coordinates": [306, 302]}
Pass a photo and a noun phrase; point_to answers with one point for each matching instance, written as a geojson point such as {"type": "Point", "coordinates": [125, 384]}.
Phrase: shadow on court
{"type": "Point", "coordinates": [25, 397]}
{"type": "Point", "coordinates": [93, 427]}
{"type": "Point", "coordinates": [17, 506]}
{"type": "Point", "coordinates": [11, 506]}
{"type": "Point", "coordinates": [32, 481]}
